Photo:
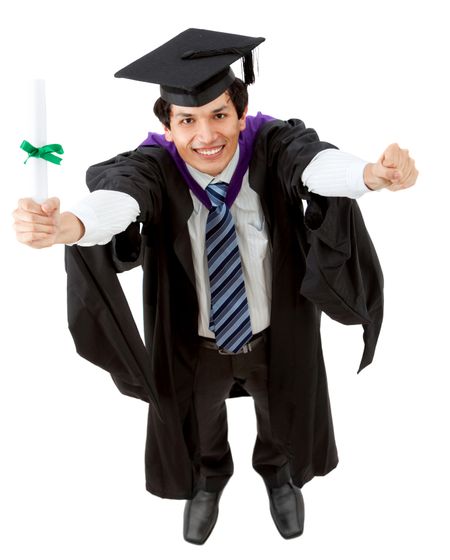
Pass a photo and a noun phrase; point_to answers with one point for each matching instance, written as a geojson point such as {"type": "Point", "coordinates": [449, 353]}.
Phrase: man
{"type": "Point", "coordinates": [235, 276]}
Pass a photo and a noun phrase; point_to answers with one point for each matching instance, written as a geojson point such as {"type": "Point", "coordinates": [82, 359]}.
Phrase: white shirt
{"type": "Point", "coordinates": [331, 173]}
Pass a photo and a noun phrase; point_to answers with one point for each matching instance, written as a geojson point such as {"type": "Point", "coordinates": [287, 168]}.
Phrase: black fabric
{"type": "Point", "coordinates": [299, 406]}
{"type": "Point", "coordinates": [344, 276]}
{"type": "Point", "coordinates": [99, 317]}
{"type": "Point", "coordinates": [215, 375]}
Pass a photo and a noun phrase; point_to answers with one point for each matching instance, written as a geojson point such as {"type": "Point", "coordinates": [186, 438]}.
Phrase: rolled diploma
{"type": "Point", "coordinates": [36, 134]}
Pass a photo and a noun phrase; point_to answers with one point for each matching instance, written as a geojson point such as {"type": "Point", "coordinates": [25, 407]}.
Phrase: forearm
{"type": "Point", "coordinates": [372, 182]}
{"type": "Point", "coordinates": [71, 228]}
{"type": "Point", "coordinates": [336, 173]}
{"type": "Point", "coordinates": [104, 214]}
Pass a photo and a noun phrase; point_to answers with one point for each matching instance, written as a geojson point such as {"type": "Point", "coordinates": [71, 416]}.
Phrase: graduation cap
{"type": "Point", "coordinates": [193, 68]}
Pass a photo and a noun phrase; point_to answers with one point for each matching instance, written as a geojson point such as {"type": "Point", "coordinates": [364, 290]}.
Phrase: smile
{"type": "Point", "coordinates": [209, 152]}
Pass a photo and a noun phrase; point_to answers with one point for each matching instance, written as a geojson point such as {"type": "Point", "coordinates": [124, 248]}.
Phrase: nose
{"type": "Point", "coordinates": [206, 133]}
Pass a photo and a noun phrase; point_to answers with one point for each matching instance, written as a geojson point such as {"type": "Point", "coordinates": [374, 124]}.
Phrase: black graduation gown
{"type": "Point", "coordinates": [321, 261]}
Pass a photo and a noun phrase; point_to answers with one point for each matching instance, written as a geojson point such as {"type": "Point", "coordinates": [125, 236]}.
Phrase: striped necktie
{"type": "Point", "coordinates": [230, 317]}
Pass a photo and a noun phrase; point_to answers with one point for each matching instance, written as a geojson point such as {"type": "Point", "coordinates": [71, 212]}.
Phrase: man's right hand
{"type": "Point", "coordinates": [42, 225]}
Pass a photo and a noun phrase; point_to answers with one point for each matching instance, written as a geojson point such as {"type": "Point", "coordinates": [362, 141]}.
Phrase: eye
{"type": "Point", "coordinates": [187, 120]}
{"type": "Point", "coordinates": [220, 116]}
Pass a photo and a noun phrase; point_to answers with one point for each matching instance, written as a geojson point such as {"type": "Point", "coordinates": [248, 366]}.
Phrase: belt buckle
{"type": "Point", "coordinates": [244, 350]}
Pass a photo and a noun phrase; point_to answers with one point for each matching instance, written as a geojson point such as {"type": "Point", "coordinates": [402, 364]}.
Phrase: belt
{"type": "Point", "coordinates": [251, 344]}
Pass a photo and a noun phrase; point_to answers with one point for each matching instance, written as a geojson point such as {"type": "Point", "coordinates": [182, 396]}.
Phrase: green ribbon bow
{"type": "Point", "coordinates": [44, 152]}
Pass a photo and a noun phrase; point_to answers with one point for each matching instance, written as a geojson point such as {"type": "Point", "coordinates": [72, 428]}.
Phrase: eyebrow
{"type": "Point", "coordinates": [220, 109]}
{"type": "Point", "coordinates": [215, 111]}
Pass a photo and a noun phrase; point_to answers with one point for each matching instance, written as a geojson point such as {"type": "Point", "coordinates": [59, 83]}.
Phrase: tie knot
{"type": "Point", "coordinates": [217, 193]}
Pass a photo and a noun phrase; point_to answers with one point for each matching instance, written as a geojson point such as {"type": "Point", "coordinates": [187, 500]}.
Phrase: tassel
{"type": "Point", "coordinates": [247, 68]}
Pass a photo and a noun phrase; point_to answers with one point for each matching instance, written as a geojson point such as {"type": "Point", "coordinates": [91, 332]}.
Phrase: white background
{"type": "Point", "coordinates": [364, 75]}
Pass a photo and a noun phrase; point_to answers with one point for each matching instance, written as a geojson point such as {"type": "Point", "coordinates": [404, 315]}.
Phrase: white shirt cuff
{"type": "Point", "coordinates": [104, 214]}
{"type": "Point", "coordinates": [335, 173]}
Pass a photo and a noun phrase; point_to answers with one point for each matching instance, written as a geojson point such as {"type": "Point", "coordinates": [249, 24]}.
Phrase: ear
{"type": "Point", "coordinates": [242, 119]}
{"type": "Point", "coordinates": [168, 134]}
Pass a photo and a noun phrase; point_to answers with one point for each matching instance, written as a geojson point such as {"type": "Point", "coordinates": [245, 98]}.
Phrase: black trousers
{"type": "Point", "coordinates": [214, 377]}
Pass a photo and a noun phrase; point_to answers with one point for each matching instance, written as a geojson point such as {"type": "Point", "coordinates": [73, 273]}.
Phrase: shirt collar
{"type": "Point", "coordinates": [203, 179]}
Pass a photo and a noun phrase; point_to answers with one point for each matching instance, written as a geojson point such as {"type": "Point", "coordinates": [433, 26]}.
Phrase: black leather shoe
{"type": "Point", "coordinates": [287, 509]}
{"type": "Point", "coordinates": [200, 516]}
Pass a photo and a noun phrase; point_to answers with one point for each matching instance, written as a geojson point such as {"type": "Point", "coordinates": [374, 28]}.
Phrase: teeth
{"type": "Point", "coordinates": [209, 152]}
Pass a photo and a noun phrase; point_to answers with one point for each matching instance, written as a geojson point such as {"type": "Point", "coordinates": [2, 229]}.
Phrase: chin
{"type": "Point", "coordinates": [213, 171]}
{"type": "Point", "coordinates": [213, 168]}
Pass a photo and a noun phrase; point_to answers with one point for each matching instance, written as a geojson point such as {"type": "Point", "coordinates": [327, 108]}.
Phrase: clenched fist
{"type": "Point", "coordinates": [42, 225]}
{"type": "Point", "coordinates": [395, 170]}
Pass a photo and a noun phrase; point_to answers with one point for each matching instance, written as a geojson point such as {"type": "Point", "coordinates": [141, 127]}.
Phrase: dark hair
{"type": "Point", "coordinates": [238, 96]}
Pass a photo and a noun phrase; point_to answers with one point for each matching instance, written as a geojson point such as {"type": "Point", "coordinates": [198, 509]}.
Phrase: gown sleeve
{"type": "Point", "coordinates": [343, 276]}
{"type": "Point", "coordinates": [132, 173]}
{"type": "Point", "coordinates": [137, 175]}
{"type": "Point", "coordinates": [290, 147]}
{"type": "Point", "coordinates": [99, 317]}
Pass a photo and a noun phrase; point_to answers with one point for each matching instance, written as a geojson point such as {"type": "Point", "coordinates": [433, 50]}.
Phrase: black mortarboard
{"type": "Point", "coordinates": [193, 68]}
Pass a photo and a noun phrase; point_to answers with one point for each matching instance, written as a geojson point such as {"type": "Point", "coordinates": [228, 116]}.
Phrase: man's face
{"type": "Point", "coordinates": [206, 137]}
